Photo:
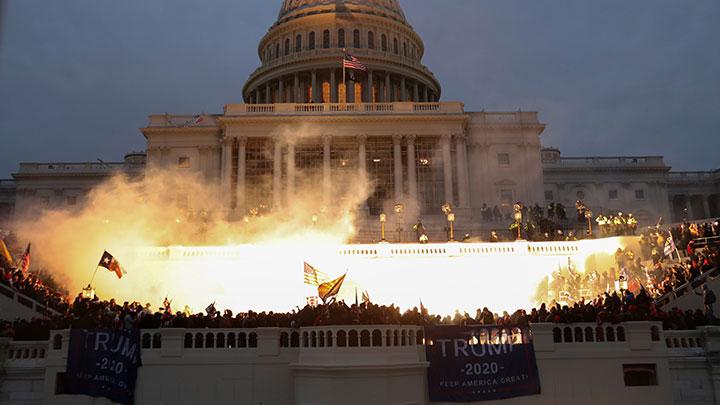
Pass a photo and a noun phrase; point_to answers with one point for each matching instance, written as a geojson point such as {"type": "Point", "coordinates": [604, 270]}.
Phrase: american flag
{"type": "Point", "coordinates": [351, 62]}
{"type": "Point", "coordinates": [313, 276]}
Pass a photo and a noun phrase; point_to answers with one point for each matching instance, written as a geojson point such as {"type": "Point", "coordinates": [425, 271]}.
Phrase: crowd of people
{"type": "Point", "coordinates": [627, 294]}
{"type": "Point", "coordinates": [607, 308]}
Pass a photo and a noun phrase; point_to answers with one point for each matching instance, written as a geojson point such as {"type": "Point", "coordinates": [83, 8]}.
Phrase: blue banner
{"type": "Point", "coordinates": [480, 363]}
{"type": "Point", "coordinates": [103, 363]}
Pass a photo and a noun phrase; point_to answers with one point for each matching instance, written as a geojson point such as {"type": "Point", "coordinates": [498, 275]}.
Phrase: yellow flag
{"type": "Point", "coordinates": [331, 288]}
{"type": "Point", "coordinates": [6, 253]}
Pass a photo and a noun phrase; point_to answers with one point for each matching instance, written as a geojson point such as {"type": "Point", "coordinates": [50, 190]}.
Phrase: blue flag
{"type": "Point", "coordinates": [103, 364]}
{"type": "Point", "coordinates": [480, 363]}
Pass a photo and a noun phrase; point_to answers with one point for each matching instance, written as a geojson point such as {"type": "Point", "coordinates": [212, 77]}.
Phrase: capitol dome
{"type": "Point", "coordinates": [301, 55]}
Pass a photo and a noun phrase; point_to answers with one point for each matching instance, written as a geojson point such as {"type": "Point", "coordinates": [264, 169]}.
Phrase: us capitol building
{"type": "Point", "coordinates": [305, 125]}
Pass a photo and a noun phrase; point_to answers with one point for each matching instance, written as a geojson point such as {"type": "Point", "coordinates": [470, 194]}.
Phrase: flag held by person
{"type": "Point", "coordinates": [166, 304]}
{"type": "Point", "coordinates": [25, 260]}
{"type": "Point", "coordinates": [366, 297]}
{"type": "Point", "coordinates": [109, 262]}
{"type": "Point", "coordinates": [331, 288]}
{"type": "Point", "coordinates": [6, 253]}
{"type": "Point", "coordinates": [313, 276]}
{"type": "Point", "coordinates": [670, 247]}
{"type": "Point", "coordinates": [210, 309]}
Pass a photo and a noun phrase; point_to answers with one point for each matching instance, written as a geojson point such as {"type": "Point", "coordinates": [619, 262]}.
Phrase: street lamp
{"type": "Point", "coordinates": [451, 220]}
{"type": "Point", "coordinates": [399, 208]}
{"type": "Point", "coordinates": [518, 218]}
{"type": "Point", "coordinates": [383, 219]}
{"type": "Point", "coordinates": [314, 220]}
{"type": "Point", "coordinates": [588, 216]}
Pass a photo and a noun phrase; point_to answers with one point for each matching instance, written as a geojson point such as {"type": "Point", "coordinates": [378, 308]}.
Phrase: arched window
{"type": "Point", "coordinates": [371, 40]}
{"type": "Point", "coordinates": [383, 43]}
{"type": "Point", "coordinates": [396, 50]}
{"type": "Point", "coordinates": [405, 49]}
{"type": "Point", "coordinates": [277, 51]}
{"type": "Point", "coordinates": [326, 39]}
{"type": "Point", "coordinates": [311, 41]}
{"type": "Point", "coordinates": [341, 38]}
{"type": "Point", "coordinates": [298, 43]}
{"type": "Point", "coordinates": [356, 39]}
{"type": "Point", "coordinates": [287, 46]}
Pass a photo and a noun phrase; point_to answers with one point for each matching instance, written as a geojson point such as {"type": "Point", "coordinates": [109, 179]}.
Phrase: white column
{"type": "Point", "coordinates": [412, 167]}
{"type": "Point", "coordinates": [227, 170]}
{"type": "Point", "coordinates": [447, 167]}
{"type": "Point", "coordinates": [462, 173]}
{"type": "Point", "coordinates": [277, 173]}
{"type": "Point", "coordinates": [397, 156]}
{"type": "Point", "coordinates": [362, 159]}
{"type": "Point", "coordinates": [290, 173]}
{"type": "Point", "coordinates": [240, 208]}
{"type": "Point", "coordinates": [326, 170]}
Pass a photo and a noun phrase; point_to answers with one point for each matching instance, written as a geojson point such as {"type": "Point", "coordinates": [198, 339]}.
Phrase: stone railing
{"type": "Point", "coordinates": [636, 335]}
{"type": "Point", "coordinates": [685, 342]}
{"type": "Point", "coordinates": [616, 161]}
{"type": "Point", "coordinates": [23, 351]}
{"type": "Point", "coordinates": [26, 301]}
{"type": "Point", "coordinates": [344, 108]}
{"type": "Point", "coordinates": [694, 176]}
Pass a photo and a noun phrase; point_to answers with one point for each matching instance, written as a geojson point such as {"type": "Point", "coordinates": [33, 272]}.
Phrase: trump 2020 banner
{"type": "Point", "coordinates": [480, 363]}
{"type": "Point", "coordinates": [103, 363]}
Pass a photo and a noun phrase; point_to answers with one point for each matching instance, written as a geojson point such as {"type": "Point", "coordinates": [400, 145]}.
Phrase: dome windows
{"type": "Point", "coordinates": [383, 42]}
{"type": "Point", "coordinates": [298, 43]}
{"type": "Point", "coordinates": [371, 40]}
{"type": "Point", "coordinates": [287, 46]}
{"type": "Point", "coordinates": [311, 41]}
{"type": "Point", "coordinates": [356, 39]}
{"type": "Point", "coordinates": [326, 39]}
{"type": "Point", "coordinates": [341, 38]}
{"type": "Point", "coordinates": [396, 49]}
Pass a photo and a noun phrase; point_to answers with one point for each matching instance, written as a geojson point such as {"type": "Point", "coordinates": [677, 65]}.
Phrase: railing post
{"type": "Point", "coordinates": [543, 337]}
{"type": "Point", "coordinates": [268, 342]}
{"type": "Point", "coordinates": [172, 342]}
{"type": "Point", "coordinates": [638, 335]}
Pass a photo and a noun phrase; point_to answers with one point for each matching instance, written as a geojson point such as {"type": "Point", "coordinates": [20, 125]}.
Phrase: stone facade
{"type": "Point", "coordinates": [379, 364]}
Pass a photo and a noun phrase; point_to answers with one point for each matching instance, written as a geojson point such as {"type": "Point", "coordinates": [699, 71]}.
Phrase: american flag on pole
{"type": "Point", "coordinates": [196, 120]}
{"type": "Point", "coordinates": [351, 62]}
{"type": "Point", "coordinates": [313, 276]}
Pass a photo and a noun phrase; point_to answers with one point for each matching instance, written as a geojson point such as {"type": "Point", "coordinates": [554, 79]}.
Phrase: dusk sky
{"type": "Point", "coordinates": [79, 77]}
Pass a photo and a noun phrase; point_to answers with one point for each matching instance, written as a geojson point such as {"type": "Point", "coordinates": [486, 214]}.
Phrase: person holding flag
{"type": "Point", "coordinates": [25, 260]}
{"type": "Point", "coordinates": [330, 289]}
{"type": "Point", "coordinates": [109, 262]}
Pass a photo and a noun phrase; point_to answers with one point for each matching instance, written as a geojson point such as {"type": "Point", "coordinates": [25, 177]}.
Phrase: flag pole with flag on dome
{"type": "Point", "coordinates": [351, 62]}
{"type": "Point", "coordinates": [109, 262]}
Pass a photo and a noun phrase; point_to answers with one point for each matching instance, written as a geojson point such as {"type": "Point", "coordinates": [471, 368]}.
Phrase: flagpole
{"type": "Point", "coordinates": [94, 273]}
{"type": "Point", "coordinates": [343, 65]}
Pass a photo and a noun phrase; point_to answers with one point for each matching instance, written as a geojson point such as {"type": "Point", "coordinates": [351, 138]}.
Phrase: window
{"type": "Point", "coordinates": [640, 375]}
{"type": "Point", "coordinates": [639, 194]}
{"type": "Point", "coordinates": [356, 39]}
{"type": "Point", "coordinates": [298, 43]}
{"type": "Point", "coordinates": [613, 194]}
{"type": "Point", "coordinates": [371, 40]}
{"type": "Point", "coordinates": [311, 41]}
{"type": "Point", "coordinates": [396, 50]}
{"type": "Point", "coordinates": [506, 198]}
{"type": "Point", "coordinates": [503, 159]}
{"type": "Point", "coordinates": [71, 200]}
{"type": "Point", "coordinates": [405, 49]}
{"type": "Point", "coordinates": [184, 162]}
{"type": "Point", "coordinates": [277, 51]}
{"type": "Point", "coordinates": [326, 39]}
{"type": "Point", "coordinates": [341, 38]}
{"type": "Point", "coordinates": [383, 42]}
{"type": "Point", "coordinates": [580, 195]}
{"type": "Point", "coordinates": [287, 46]}
{"type": "Point", "coordinates": [549, 195]}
